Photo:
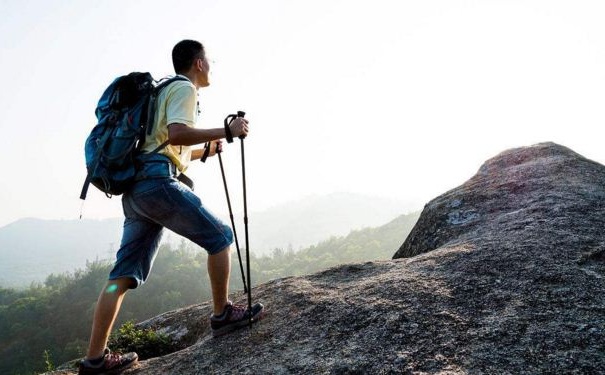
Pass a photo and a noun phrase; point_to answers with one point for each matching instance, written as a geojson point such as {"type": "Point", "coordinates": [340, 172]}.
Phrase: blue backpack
{"type": "Point", "coordinates": [125, 114]}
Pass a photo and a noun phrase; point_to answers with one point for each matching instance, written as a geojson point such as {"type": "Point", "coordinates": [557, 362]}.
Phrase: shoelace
{"type": "Point", "coordinates": [112, 360]}
{"type": "Point", "coordinates": [238, 312]}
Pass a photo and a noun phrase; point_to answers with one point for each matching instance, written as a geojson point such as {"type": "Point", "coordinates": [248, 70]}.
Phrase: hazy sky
{"type": "Point", "coordinates": [400, 99]}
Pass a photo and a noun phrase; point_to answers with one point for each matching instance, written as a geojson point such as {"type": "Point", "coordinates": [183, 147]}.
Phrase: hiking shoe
{"type": "Point", "coordinates": [109, 364]}
{"type": "Point", "coordinates": [234, 317]}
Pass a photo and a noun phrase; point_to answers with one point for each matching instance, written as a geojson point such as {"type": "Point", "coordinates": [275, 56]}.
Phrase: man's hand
{"type": "Point", "coordinates": [215, 147]}
{"type": "Point", "coordinates": [239, 127]}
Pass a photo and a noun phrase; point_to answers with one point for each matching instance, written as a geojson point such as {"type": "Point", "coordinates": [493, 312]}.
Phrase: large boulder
{"type": "Point", "coordinates": [526, 196]}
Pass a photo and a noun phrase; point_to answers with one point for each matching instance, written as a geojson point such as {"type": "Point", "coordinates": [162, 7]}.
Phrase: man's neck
{"type": "Point", "coordinates": [191, 77]}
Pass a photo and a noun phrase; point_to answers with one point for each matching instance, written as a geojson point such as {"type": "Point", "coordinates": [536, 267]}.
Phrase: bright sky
{"type": "Point", "coordinates": [399, 99]}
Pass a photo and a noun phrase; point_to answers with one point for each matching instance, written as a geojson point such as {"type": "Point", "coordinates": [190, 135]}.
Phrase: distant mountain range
{"type": "Point", "coordinates": [307, 221]}
{"type": "Point", "coordinates": [31, 249]}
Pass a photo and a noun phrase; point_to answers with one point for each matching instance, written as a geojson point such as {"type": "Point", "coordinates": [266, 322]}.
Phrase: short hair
{"type": "Point", "coordinates": [184, 54]}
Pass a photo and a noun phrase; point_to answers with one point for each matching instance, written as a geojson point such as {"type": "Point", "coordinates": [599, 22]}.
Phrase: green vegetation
{"type": "Point", "coordinates": [47, 361]}
{"type": "Point", "coordinates": [145, 342]}
{"type": "Point", "coordinates": [49, 323]}
{"type": "Point", "coordinates": [359, 246]}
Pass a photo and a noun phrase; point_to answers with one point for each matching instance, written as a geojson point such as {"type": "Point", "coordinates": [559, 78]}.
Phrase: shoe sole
{"type": "Point", "coordinates": [113, 371]}
{"type": "Point", "coordinates": [230, 328]}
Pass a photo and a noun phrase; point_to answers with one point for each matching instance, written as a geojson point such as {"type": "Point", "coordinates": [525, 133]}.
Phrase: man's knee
{"type": "Point", "coordinates": [226, 251]}
{"type": "Point", "coordinates": [120, 285]}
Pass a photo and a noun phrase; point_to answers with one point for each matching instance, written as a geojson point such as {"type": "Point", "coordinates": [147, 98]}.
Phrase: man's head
{"type": "Point", "coordinates": [189, 59]}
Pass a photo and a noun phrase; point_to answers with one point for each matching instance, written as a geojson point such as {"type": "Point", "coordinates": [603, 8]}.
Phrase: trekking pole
{"type": "Point", "coordinates": [239, 256]}
{"type": "Point", "coordinates": [242, 137]}
{"type": "Point", "coordinates": [229, 137]}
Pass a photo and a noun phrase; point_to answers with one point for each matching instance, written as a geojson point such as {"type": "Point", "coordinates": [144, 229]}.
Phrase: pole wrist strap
{"type": "Point", "coordinates": [206, 152]}
{"type": "Point", "coordinates": [228, 134]}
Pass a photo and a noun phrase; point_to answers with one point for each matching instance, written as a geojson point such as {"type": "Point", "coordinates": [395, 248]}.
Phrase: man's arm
{"type": "Point", "coordinates": [183, 135]}
{"type": "Point", "coordinates": [197, 153]}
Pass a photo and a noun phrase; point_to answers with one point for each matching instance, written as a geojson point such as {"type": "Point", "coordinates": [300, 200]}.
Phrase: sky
{"type": "Point", "coordinates": [396, 99]}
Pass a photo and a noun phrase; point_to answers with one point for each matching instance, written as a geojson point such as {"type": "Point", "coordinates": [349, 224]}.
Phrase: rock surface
{"type": "Point", "coordinates": [502, 275]}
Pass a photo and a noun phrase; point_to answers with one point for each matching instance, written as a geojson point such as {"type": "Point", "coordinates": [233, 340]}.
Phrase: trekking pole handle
{"type": "Point", "coordinates": [228, 120]}
{"type": "Point", "coordinates": [241, 114]}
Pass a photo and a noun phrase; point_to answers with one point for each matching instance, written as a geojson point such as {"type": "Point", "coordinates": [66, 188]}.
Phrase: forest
{"type": "Point", "coordinates": [49, 323]}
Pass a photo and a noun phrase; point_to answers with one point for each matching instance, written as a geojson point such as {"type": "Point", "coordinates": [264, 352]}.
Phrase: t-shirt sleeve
{"type": "Point", "coordinates": [181, 106]}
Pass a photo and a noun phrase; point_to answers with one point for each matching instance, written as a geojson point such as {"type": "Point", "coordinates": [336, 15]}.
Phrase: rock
{"type": "Point", "coordinates": [521, 191]}
{"type": "Point", "coordinates": [504, 274]}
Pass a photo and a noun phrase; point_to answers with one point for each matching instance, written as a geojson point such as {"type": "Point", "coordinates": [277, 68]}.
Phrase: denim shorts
{"type": "Point", "coordinates": [158, 203]}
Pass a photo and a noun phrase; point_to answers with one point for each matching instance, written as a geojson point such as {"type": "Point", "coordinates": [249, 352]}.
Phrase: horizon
{"type": "Point", "coordinates": [396, 100]}
{"type": "Point", "coordinates": [407, 209]}
{"type": "Point", "coordinates": [75, 242]}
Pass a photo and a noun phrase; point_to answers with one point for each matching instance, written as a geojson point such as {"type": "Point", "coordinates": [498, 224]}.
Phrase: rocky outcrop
{"type": "Point", "coordinates": [504, 274]}
{"type": "Point", "coordinates": [542, 191]}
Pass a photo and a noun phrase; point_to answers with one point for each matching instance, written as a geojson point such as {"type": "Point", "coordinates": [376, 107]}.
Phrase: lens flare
{"type": "Point", "coordinates": [111, 288]}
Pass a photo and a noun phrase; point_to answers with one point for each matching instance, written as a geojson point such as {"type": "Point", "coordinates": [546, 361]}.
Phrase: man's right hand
{"type": "Point", "coordinates": [239, 127]}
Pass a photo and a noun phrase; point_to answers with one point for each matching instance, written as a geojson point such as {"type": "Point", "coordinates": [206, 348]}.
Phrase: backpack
{"type": "Point", "coordinates": [125, 112]}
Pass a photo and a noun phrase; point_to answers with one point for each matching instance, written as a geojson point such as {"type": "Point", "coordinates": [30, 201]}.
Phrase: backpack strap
{"type": "Point", "coordinates": [89, 172]}
{"type": "Point", "coordinates": [186, 180]}
{"type": "Point", "coordinates": [85, 189]}
{"type": "Point", "coordinates": [162, 84]}
{"type": "Point", "coordinates": [154, 95]}
{"type": "Point", "coordinates": [160, 147]}
{"type": "Point", "coordinates": [151, 112]}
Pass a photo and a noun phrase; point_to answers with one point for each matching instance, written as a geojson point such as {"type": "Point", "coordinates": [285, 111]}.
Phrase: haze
{"type": "Point", "coordinates": [397, 99]}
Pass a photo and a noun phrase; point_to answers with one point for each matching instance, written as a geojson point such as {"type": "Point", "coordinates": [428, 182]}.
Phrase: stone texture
{"type": "Point", "coordinates": [525, 191]}
{"type": "Point", "coordinates": [502, 275]}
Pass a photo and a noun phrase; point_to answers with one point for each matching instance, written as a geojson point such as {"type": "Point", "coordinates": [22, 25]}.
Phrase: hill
{"type": "Point", "coordinates": [307, 221]}
{"type": "Point", "coordinates": [31, 249]}
{"type": "Point", "coordinates": [504, 274]}
{"type": "Point", "coordinates": [358, 246]}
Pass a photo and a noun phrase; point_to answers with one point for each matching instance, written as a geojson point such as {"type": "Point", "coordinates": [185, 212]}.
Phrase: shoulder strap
{"type": "Point", "coordinates": [160, 147]}
{"type": "Point", "coordinates": [151, 107]}
{"type": "Point", "coordinates": [154, 95]}
{"type": "Point", "coordinates": [162, 83]}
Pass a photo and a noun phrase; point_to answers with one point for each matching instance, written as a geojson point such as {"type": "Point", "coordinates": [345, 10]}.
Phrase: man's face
{"type": "Point", "coordinates": [204, 67]}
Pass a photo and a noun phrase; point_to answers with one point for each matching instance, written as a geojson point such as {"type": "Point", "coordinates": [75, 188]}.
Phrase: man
{"type": "Point", "coordinates": [159, 200]}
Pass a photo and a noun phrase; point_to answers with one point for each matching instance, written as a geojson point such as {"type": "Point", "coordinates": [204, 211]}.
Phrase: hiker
{"type": "Point", "coordinates": [158, 199]}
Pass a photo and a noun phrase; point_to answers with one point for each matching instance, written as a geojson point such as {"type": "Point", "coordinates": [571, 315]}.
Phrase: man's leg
{"type": "Point", "coordinates": [106, 311]}
{"type": "Point", "coordinates": [181, 211]}
{"type": "Point", "coordinates": [219, 268]}
{"type": "Point", "coordinates": [177, 208]}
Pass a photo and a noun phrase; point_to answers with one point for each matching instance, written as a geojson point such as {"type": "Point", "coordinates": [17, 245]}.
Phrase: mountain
{"type": "Point", "coordinates": [366, 244]}
{"type": "Point", "coordinates": [312, 219]}
{"type": "Point", "coordinates": [504, 274]}
{"type": "Point", "coordinates": [31, 249]}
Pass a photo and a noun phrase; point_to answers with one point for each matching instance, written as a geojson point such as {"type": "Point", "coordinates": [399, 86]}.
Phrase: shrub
{"type": "Point", "coordinates": [145, 342]}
